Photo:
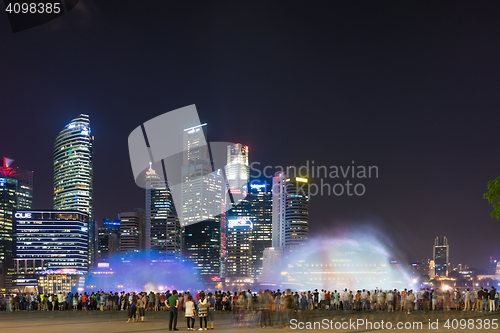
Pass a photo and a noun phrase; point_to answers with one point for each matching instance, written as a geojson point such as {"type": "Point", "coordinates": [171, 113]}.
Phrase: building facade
{"type": "Point", "coordinates": [290, 212]}
{"type": "Point", "coordinates": [8, 207]}
{"type": "Point", "coordinates": [440, 254]}
{"type": "Point", "coordinates": [202, 186]}
{"type": "Point", "coordinates": [54, 241]}
{"type": "Point", "coordinates": [239, 250]}
{"type": "Point", "coordinates": [73, 171]}
{"type": "Point", "coordinates": [132, 231]}
{"type": "Point", "coordinates": [260, 203]}
{"type": "Point", "coordinates": [201, 246]}
{"type": "Point", "coordinates": [237, 168]}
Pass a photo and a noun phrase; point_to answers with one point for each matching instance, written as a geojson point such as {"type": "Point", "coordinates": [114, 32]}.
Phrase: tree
{"type": "Point", "coordinates": [493, 197]}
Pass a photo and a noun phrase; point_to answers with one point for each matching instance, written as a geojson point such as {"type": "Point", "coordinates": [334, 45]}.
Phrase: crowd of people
{"type": "Point", "coordinates": [263, 309]}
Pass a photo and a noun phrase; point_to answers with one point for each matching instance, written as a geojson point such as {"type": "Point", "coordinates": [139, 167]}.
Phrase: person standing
{"type": "Point", "coordinates": [410, 299]}
{"type": "Point", "coordinates": [172, 303]}
{"type": "Point", "coordinates": [484, 302]}
{"type": "Point", "coordinates": [467, 300]}
{"type": "Point", "coordinates": [202, 310]}
{"type": "Point", "coordinates": [211, 309]}
{"type": "Point", "coordinates": [190, 313]}
{"type": "Point", "coordinates": [434, 297]}
{"type": "Point", "coordinates": [141, 306]}
{"type": "Point", "coordinates": [132, 308]}
{"type": "Point", "coordinates": [364, 297]}
{"type": "Point", "coordinates": [491, 299]}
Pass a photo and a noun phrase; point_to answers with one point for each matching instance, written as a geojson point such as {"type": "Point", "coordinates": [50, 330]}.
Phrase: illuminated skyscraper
{"type": "Point", "coordinates": [237, 169]}
{"type": "Point", "coordinates": [52, 240]}
{"type": "Point", "coordinates": [160, 216]}
{"type": "Point", "coordinates": [108, 240]}
{"type": "Point", "coordinates": [201, 185]}
{"type": "Point", "coordinates": [239, 250]}
{"type": "Point", "coordinates": [260, 201]}
{"type": "Point", "coordinates": [73, 167]}
{"type": "Point", "coordinates": [8, 205]}
{"type": "Point", "coordinates": [73, 158]}
{"type": "Point", "coordinates": [131, 231]}
{"type": "Point", "coordinates": [24, 178]}
{"type": "Point", "coordinates": [290, 211]}
{"type": "Point", "coordinates": [201, 246]}
{"type": "Point", "coordinates": [440, 254]}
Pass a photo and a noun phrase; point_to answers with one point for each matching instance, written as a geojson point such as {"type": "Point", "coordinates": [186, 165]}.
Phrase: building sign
{"type": "Point", "coordinates": [23, 215]}
{"type": "Point", "coordinates": [243, 222]}
{"type": "Point", "coordinates": [259, 187]}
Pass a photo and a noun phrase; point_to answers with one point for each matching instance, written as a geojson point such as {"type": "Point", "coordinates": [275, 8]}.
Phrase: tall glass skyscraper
{"type": "Point", "coordinates": [201, 185]}
{"type": "Point", "coordinates": [73, 166]}
{"type": "Point", "coordinates": [8, 200]}
{"type": "Point", "coordinates": [201, 246]}
{"type": "Point", "coordinates": [73, 159]}
{"type": "Point", "coordinates": [131, 231]}
{"type": "Point", "coordinates": [290, 211]}
{"type": "Point", "coordinates": [16, 192]}
{"type": "Point", "coordinates": [441, 253]}
{"type": "Point", "coordinates": [237, 169]}
{"type": "Point", "coordinates": [260, 199]}
{"type": "Point", "coordinates": [162, 224]}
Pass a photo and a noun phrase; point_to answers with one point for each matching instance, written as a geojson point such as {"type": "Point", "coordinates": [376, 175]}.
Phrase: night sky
{"type": "Point", "coordinates": [411, 87]}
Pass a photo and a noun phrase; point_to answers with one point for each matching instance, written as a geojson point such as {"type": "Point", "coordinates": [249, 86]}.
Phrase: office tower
{"type": "Point", "coordinates": [24, 179]}
{"type": "Point", "coordinates": [8, 206]}
{"type": "Point", "coordinates": [441, 257]}
{"type": "Point", "coordinates": [201, 246]}
{"type": "Point", "coordinates": [239, 250]}
{"type": "Point", "coordinates": [237, 169]}
{"type": "Point", "coordinates": [108, 240]}
{"type": "Point", "coordinates": [131, 231]}
{"type": "Point", "coordinates": [432, 269]}
{"type": "Point", "coordinates": [290, 211]}
{"type": "Point", "coordinates": [201, 185]}
{"type": "Point", "coordinates": [165, 236]}
{"type": "Point", "coordinates": [172, 246]}
{"type": "Point", "coordinates": [55, 241]}
{"type": "Point", "coordinates": [260, 203]}
{"type": "Point", "coordinates": [73, 167]}
{"type": "Point", "coordinates": [111, 226]}
{"type": "Point", "coordinates": [162, 223]}
{"type": "Point", "coordinates": [73, 158]}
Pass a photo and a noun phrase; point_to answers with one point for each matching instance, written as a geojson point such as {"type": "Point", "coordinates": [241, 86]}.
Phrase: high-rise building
{"type": "Point", "coordinates": [162, 224]}
{"type": "Point", "coordinates": [201, 246]}
{"type": "Point", "coordinates": [260, 203]}
{"type": "Point", "coordinates": [52, 241]}
{"type": "Point", "coordinates": [239, 250]}
{"type": "Point", "coordinates": [440, 254]}
{"type": "Point", "coordinates": [237, 169]}
{"type": "Point", "coordinates": [201, 185]}
{"type": "Point", "coordinates": [24, 178]}
{"type": "Point", "coordinates": [290, 211]}
{"type": "Point", "coordinates": [108, 240]}
{"type": "Point", "coordinates": [73, 170]}
{"type": "Point", "coordinates": [8, 206]}
{"type": "Point", "coordinates": [131, 231]}
{"type": "Point", "coordinates": [111, 226]}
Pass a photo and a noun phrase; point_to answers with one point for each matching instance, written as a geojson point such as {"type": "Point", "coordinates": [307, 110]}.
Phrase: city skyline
{"type": "Point", "coordinates": [415, 96]}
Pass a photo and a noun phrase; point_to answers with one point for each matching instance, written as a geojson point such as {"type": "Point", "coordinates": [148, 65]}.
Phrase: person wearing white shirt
{"type": "Point", "coordinates": [467, 300]}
